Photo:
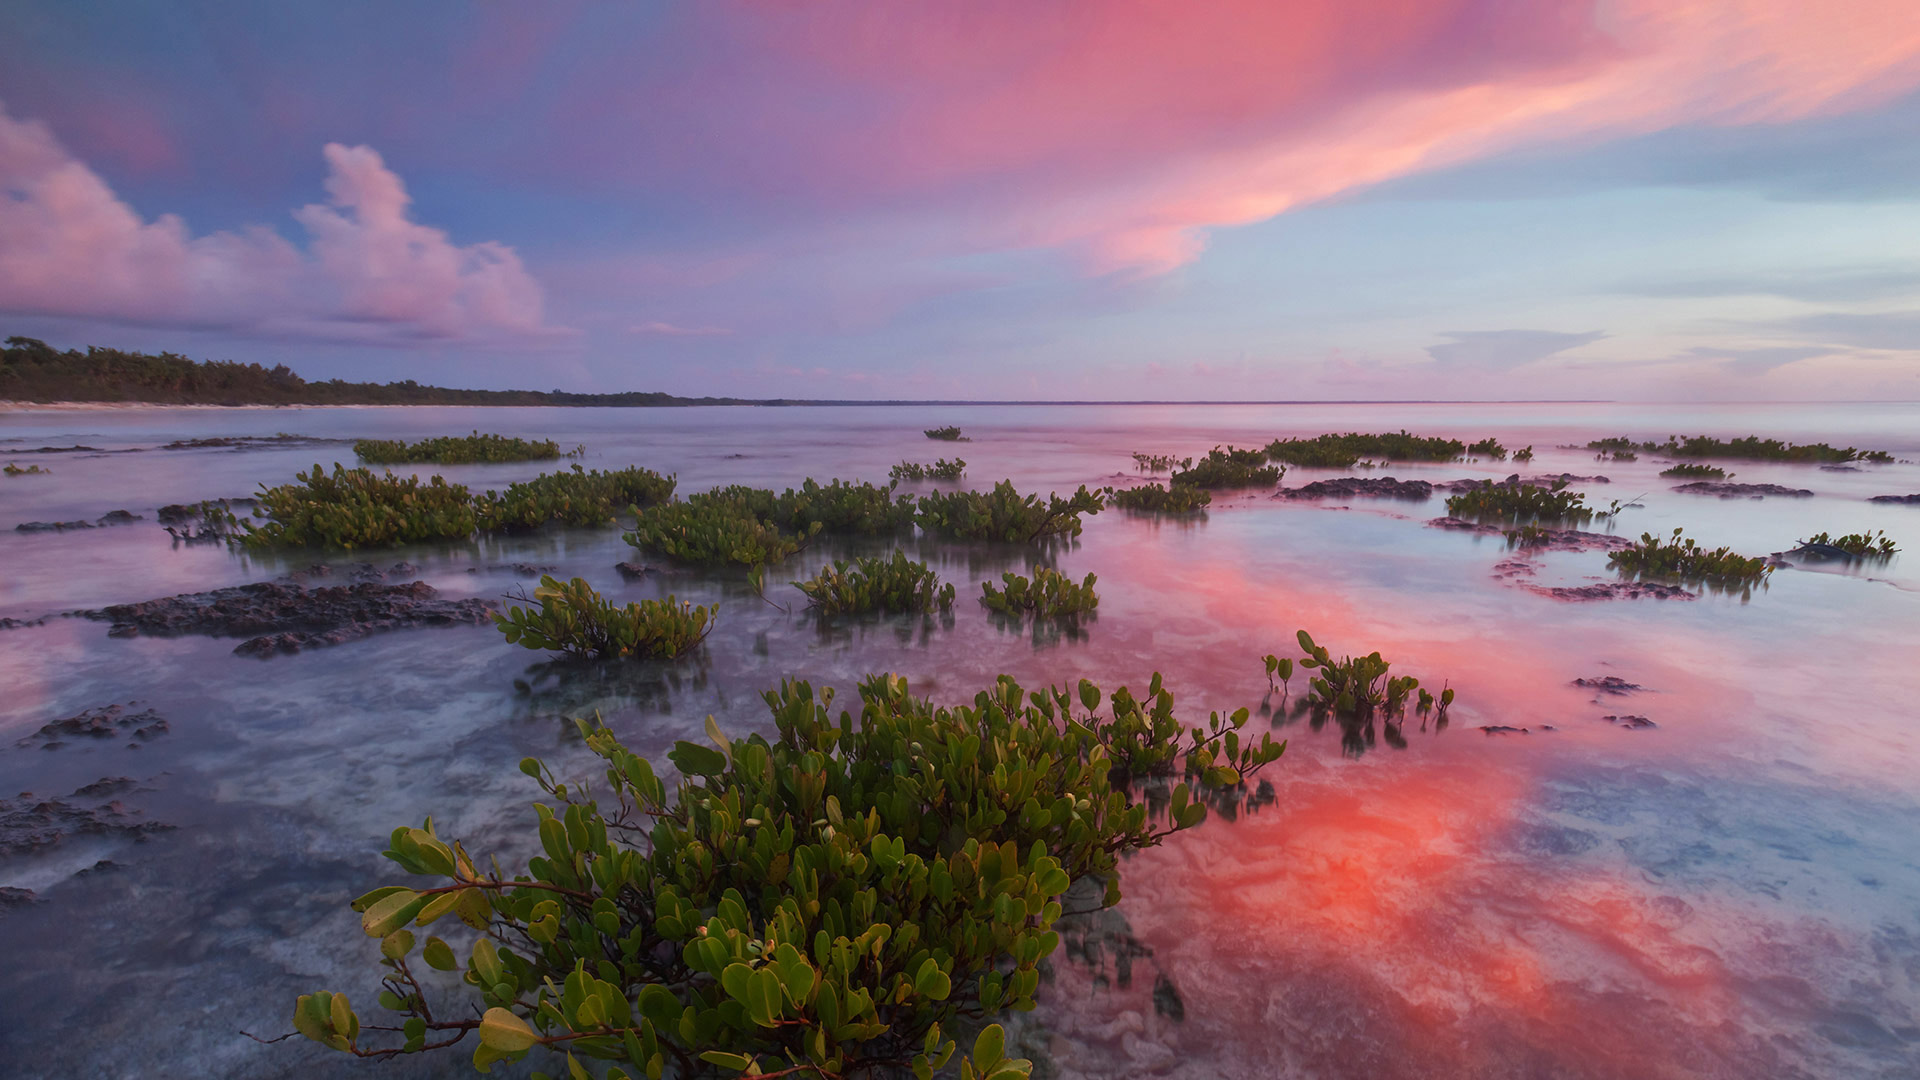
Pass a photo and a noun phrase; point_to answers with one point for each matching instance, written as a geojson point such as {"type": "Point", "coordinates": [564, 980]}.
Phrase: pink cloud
{"type": "Point", "coordinates": [69, 246]}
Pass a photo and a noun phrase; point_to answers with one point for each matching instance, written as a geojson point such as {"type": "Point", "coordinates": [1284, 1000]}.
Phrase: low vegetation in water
{"type": "Point", "coordinates": [1341, 451]}
{"type": "Point", "coordinates": [1523, 502]}
{"type": "Point", "coordinates": [455, 450]}
{"type": "Point", "coordinates": [1748, 448]}
{"type": "Point", "coordinates": [941, 469]}
{"type": "Point", "coordinates": [1524, 454]}
{"type": "Point", "coordinates": [574, 619]}
{"type": "Point", "coordinates": [713, 530]}
{"type": "Point", "coordinates": [1874, 545]}
{"type": "Point", "coordinates": [834, 902]}
{"type": "Point", "coordinates": [1154, 499]}
{"type": "Point", "coordinates": [577, 497]}
{"type": "Point", "coordinates": [1229, 468]}
{"type": "Point", "coordinates": [1687, 470]}
{"type": "Point", "coordinates": [207, 522]}
{"type": "Point", "coordinates": [1681, 558]}
{"type": "Point", "coordinates": [944, 434]}
{"type": "Point", "coordinates": [1049, 594]}
{"type": "Point", "coordinates": [1528, 536]}
{"type": "Point", "coordinates": [31, 470]}
{"type": "Point", "coordinates": [1006, 515]}
{"type": "Point", "coordinates": [839, 506]}
{"type": "Point", "coordinates": [1156, 463]}
{"type": "Point", "coordinates": [353, 508]}
{"type": "Point", "coordinates": [1362, 686]}
{"type": "Point", "coordinates": [873, 584]}
{"type": "Point", "coordinates": [1490, 448]}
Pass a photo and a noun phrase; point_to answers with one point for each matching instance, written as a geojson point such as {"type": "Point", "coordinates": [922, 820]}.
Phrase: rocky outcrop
{"type": "Point", "coordinates": [29, 825]}
{"type": "Point", "coordinates": [1615, 590]}
{"type": "Point", "coordinates": [108, 722]}
{"type": "Point", "coordinates": [287, 616]}
{"type": "Point", "coordinates": [1370, 487]}
{"type": "Point", "coordinates": [1728, 490]}
{"type": "Point", "coordinates": [1907, 500]}
{"type": "Point", "coordinates": [112, 517]}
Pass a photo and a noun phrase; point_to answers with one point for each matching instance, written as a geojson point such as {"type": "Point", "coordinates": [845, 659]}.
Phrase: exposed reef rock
{"type": "Point", "coordinates": [28, 826]}
{"type": "Point", "coordinates": [1609, 684]}
{"type": "Point", "coordinates": [16, 624]}
{"type": "Point", "coordinates": [112, 517]}
{"type": "Point", "coordinates": [286, 616]}
{"type": "Point", "coordinates": [631, 570]}
{"type": "Point", "coordinates": [1742, 491]}
{"type": "Point", "coordinates": [1565, 478]}
{"type": "Point", "coordinates": [1382, 487]}
{"type": "Point", "coordinates": [249, 442]}
{"type": "Point", "coordinates": [108, 722]}
{"type": "Point", "coordinates": [1631, 723]}
{"type": "Point", "coordinates": [1907, 500]}
{"type": "Point", "coordinates": [520, 568]}
{"type": "Point", "coordinates": [1615, 590]}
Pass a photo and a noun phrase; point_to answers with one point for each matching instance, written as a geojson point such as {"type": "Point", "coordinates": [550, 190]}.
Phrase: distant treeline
{"type": "Point", "coordinates": [32, 370]}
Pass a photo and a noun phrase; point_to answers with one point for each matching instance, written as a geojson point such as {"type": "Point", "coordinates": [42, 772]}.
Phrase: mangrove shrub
{"type": "Point", "coordinates": [1229, 468]}
{"type": "Point", "coordinates": [1154, 499]}
{"type": "Point", "coordinates": [874, 584]}
{"type": "Point", "coordinates": [353, 508]}
{"type": "Point", "coordinates": [574, 619]}
{"type": "Point", "coordinates": [578, 497]}
{"type": "Point", "coordinates": [1005, 514]}
{"type": "Point", "coordinates": [455, 450]}
{"type": "Point", "coordinates": [1049, 594]}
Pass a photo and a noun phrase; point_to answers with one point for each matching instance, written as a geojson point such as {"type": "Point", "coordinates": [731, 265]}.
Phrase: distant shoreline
{"type": "Point", "coordinates": [104, 406]}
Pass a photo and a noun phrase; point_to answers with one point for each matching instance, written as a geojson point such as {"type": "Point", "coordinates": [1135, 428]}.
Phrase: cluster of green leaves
{"type": "Point", "coordinates": [874, 584]}
{"type": "Point", "coordinates": [1152, 498]}
{"type": "Point", "coordinates": [1362, 685]}
{"type": "Point", "coordinates": [574, 619]}
{"type": "Point", "coordinates": [1154, 463]}
{"type": "Point", "coordinates": [713, 530]}
{"type": "Point", "coordinates": [578, 497]}
{"type": "Point", "coordinates": [1750, 448]}
{"type": "Point", "coordinates": [1688, 470]}
{"type": "Point", "coordinates": [1525, 453]}
{"type": "Point", "coordinates": [1874, 545]}
{"type": "Point", "coordinates": [840, 506]}
{"type": "Point", "coordinates": [1005, 514]}
{"type": "Point", "coordinates": [1230, 468]}
{"type": "Point", "coordinates": [1341, 451]}
{"type": "Point", "coordinates": [1522, 502]}
{"type": "Point", "coordinates": [1528, 536]}
{"type": "Point", "coordinates": [1487, 448]}
{"type": "Point", "coordinates": [1682, 558]}
{"type": "Point", "coordinates": [1050, 594]}
{"type": "Point", "coordinates": [455, 450]}
{"type": "Point", "coordinates": [941, 469]}
{"type": "Point", "coordinates": [217, 522]}
{"type": "Point", "coordinates": [353, 508]}
{"type": "Point", "coordinates": [829, 903]}
{"type": "Point", "coordinates": [31, 470]}
{"type": "Point", "coordinates": [944, 434]}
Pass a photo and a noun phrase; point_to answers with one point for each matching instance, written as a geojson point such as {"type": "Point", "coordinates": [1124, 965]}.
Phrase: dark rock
{"type": "Point", "coordinates": [107, 722]}
{"type": "Point", "coordinates": [1907, 500]}
{"type": "Point", "coordinates": [1823, 553]}
{"type": "Point", "coordinates": [1839, 468]}
{"type": "Point", "coordinates": [632, 569]}
{"type": "Point", "coordinates": [27, 827]}
{"type": "Point", "coordinates": [1728, 490]}
{"type": "Point", "coordinates": [61, 450]}
{"type": "Point", "coordinates": [107, 786]}
{"type": "Point", "coordinates": [1381, 487]}
{"type": "Point", "coordinates": [1166, 999]}
{"type": "Point", "coordinates": [1616, 590]}
{"type": "Point", "coordinates": [15, 624]}
{"type": "Point", "coordinates": [519, 568]}
{"type": "Point", "coordinates": [11, 897]}
{"type": "Point", "coordinates": [1502, 729]}
{"type": "Point", "coordinates": [249, 442]}
{"type": "Point", "coordinates": [1609, 684]}
{"type": "Point", "coordinates": [286, 616]}
{"type": "Point", "coordinates": [1632, 723]}
{"type": "Point", "coordinates": [1565, 478]}
{"type": "Point", "coordinates": [112, 517]}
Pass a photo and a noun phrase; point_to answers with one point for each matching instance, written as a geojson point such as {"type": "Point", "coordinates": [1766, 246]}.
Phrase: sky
{"type": "Point", "coordinates": [992, 199]}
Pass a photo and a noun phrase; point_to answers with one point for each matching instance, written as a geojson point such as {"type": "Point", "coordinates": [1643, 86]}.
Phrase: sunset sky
{"type": "Point", "coordinates": [1269, 199]}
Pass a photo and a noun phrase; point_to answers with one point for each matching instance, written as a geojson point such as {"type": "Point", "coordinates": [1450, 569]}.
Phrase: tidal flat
{"type": "Point", "coordinates": [1542, 887]}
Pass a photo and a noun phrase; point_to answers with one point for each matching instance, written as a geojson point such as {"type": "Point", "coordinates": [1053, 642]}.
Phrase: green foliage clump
{"type": "Point", "coordinates": [1230, 468]}
{"type": "Point", "coordinates": [1525, 453]}
{"type": "Point", "coordinates": [1691, 471]}
{"type": "Point", "coordinates": [1154, 463]}
{"type": "Point", "coordinates": [713, 530]}
{"type": "Point", "coordinates": [1005, 514]}
{"type": "Point", "coordinates": [1341, 451]}
{"type": "Point", "coordinates": [578, 497]}
{"type": "Point", "coordinates": [941, 469]}
{"type": "Point", "coordinates": [1154, 499]}
{"type": "Point", "coordinates": [1874, 545]}
{"type": "Point", "coordinates": [830, 903]}
{"type": "Point", "coordinates": [876, 585]}
{"type": "Point", "coordinates": [944, 434]}
{"type": "Point", "coordinates": [574, 619]}
{"type": "Point", "coordinates": [353, 508]}
{"type": "Point", "coordinates": [1750, 448]}
{"type": "Point", "coordinates": [455, 450]}
{"type": "Point", "coordinates": [1683, 559]}
{"type": "Point", "coordinates": [1050, 594]}
{"type": "Point", "coordinates": [837, 507]}
{"type": "Point", "coordinates": [1487, 448]}
{"type": "Point", "coordinates": [1361, 686]}
{"type": "Point", "coordinates": [31, 470]}
{"type": "Point", "coordinates": [1522, 502]}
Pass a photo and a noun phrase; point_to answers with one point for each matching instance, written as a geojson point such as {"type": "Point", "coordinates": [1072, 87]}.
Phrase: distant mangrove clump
{"type": "Point", "coordinates": [1749, 448]}
{"type": "Point", "coordinates": [574, 619]}
{"type": "Point", "coordinates": [1006, 515]}
{"type": "Point", "coordinates": [945, 434]}
{"type": "Point", "coordinates": [873, 584]}
{"type": "Point", "coordinates": [579, 497]}
{"type": "Point", "coordinates": [1230, 468]}
{"type": "Point", "coordinates": [1048, 594]}
{"type": "Point", "coordinates": [1154, 499]}
{"type": "Point", "coordinates": [1687, 470]}
{"type": "Point", "coordinates": [1681, 558]}
{"type": "Point", "coordinates": [1342, 451]}
{"type": "Point", "coordinates": [941, 469]}
{"type": "Point", "coordinates": [1517, 502]}
{"type": "Point", "coordinates": [455, 450]}
{"type": "Point", "coordinates": [353, 508]}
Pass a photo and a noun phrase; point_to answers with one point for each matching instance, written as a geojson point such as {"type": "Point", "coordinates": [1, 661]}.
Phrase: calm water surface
{"type": "Point", "coordinates": [1734, 892]}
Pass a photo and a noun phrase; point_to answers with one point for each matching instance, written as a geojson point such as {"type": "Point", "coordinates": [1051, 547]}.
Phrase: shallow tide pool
{"type": "Point", "coordinates": [1733, 891]}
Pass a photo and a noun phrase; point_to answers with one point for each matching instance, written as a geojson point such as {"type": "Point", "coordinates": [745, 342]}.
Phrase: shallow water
{"type": "Point", "coordinates": [1732, 893]}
